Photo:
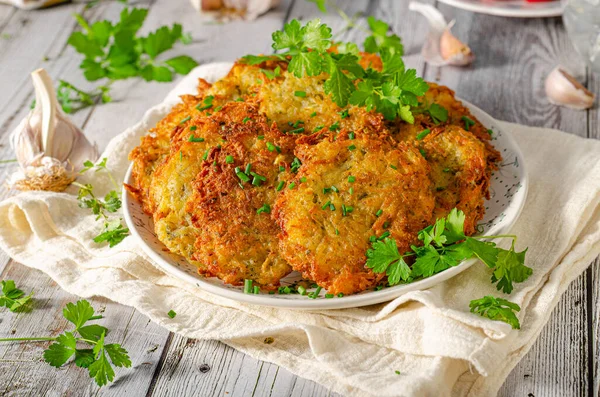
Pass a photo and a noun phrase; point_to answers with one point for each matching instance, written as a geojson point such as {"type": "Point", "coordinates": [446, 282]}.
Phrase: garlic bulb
{"type": "Point", "coordinates": [32, 4]}
{"type": "Point", "coordinates": [442, 47]}
{"type": "Point", "coordinates": [562, 89]}
{"type": "Point", "coordinates": [234, 9]}
{"type": "Point", "coordinates": [49, 148]}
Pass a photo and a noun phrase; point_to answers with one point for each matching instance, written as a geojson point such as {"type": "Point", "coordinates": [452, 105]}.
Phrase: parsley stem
{"type": "Point", "coordinates": [498, 236]}
{"type": "Point", "coordinates": [8, 161]}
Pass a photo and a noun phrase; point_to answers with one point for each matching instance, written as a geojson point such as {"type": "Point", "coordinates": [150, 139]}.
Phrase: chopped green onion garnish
{"type": "Point", "coordinates": [171, 314]}
{"type": "Point", "coordinates": [261, 137]}
{"type": "Point", "coordinates": [378, 213]}
{"type": "Point", "coordinates": [318, 128]}
{"type": "Point", "coordinates": [242, 176]}
{"type": "Point", "coordinates": [180, 155]}
{"type": "Point", "coordinates": [393, 167]}
{"type": "Point", "coordinates": [301, 290]}
{"type": "Point", "coordinates": [332, 207]}
{"type": "Point", "coordinates": [373, 239]}
{"type": "Point", "coordinates": [207, 103]}
{"type": "Point", "coordinates": [440, 188]}
{"type": "Point", "coordinates": [314, 295]}
{"type": "Point", "coordinates": [326, 190]}
{"type": "Point", "coordinates": [300, 94]}
{"type": "Point", "coordinates": [328, 296]}
{"type": "Point", "coordinates": [266, 208]}
{"type": "Point", "coordinates": [423, 134]}
{"type": "Point", "coordinates": [246, 119]}
{"type": "Point", "coordinates": [192, 138]}
{"type": "Point", "coordinates": [490, 132]}
{"type": "Point", "coordinates": [229, 159]}
{"type": "Point", "coordinates": [351, 179]}
{"type": "Point", "coordinates": [281, 168]}
{"type": "Point", "coordinates": [240, 99]}
{"type": "Point", "coordinates": [446, 170]}
{"type": "Point", "coordinates": [335, 126]}
{"type": "Point", "coordinates": [291, 185]}
{"type": "Point", "coordinates": [205, 155]}
{"type": "Point", "coordinates": [351, 147]}
{"type": "Point", "coordinates": [351, 135]}
{"type": "Point", "coordinates": [335, 189]}
{"type": "Point", "coordinates": [248, 168]}
{"type": "Point", "coordinates": [297, 130]}
{"type": "Point", "coordinates": [386, 225]}
{"type": "Point", "coordinates": [344, 113]}
{"type": "Point", "coordinates": [313, 114]}
{"type": "Point", "coordinates": [248, 286]}
{"type": "Point", "coordinates": [280, 185]}
{"type": "Point", "coordinates": [468, 122]}
{"type": "Point", "coordinates": [337, 232]}
{"type": "Point", "coordinates": [303, 179]}
{"type": "Point", "coordinates": [351, 190]}
{"type": "Point", "coordinates": [193, 128]}
{"type": "Point", "coordinates": [326, 205]}
{"type": "Point", "coordinates": [423, 153]}
{"type": "Point", "coordinates": [384, 235]}
{"type": "Point", "coordinates": [271, 147]}
{"type": "Point", "coordinates": [256, 289]}
{"type": "Point", "coordinates": [295, 165]}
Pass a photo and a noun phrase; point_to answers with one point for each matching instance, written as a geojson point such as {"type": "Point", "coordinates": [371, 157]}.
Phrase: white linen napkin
{"type": "Point", "coordinates": [439, 348]}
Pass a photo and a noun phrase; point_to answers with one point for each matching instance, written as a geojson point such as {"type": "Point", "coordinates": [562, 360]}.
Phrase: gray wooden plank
{"type": "Point", "coordinates": [596, 328]}
{"type": "Point", "coordinates": [22, 371]}
{"type": "Point", "coordinates": [507, 81]}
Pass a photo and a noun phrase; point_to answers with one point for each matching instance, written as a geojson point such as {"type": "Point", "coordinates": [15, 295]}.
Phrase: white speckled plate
{"type": "Point", "coordinates": [508, 192]}
{"type": "Point", "coordinates": [510, 8]}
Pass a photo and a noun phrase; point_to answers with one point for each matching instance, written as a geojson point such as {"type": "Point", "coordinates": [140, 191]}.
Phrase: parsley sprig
{"type": "Point", "coordinates": [392, 92]}
{"type": "Point", "coordinates": [114, 232]}
{"type": "Point", "coordinates": [13, 298]}
{"type": "Point", "coordinates": [496, 309]}
{"type": "Point", "coordinates": [114, 51]}
{"type": "Point", "coordinates": [445, 245]}
{"type": "Point", "coordinates": [97, 357]}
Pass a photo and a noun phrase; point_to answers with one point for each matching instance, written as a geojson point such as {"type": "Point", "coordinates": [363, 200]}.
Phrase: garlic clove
{"type": "Point", "coordinates": [233, 9]}
{"type": "Point", "coordinates": [33, 4]}
{"type": "Point", "coordinates": [564, 90]}
{"type": "Point", "coordinates": [441, 46]}
{"type": "Point", "coordinates": [50, 149]}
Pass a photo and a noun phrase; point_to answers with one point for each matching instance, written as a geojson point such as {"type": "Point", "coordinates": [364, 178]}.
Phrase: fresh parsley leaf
{"type": "Point", "coordinates": [13, 298]}
{"type": "Point", "coordinates": [321, 4]}
{"type": "Point", "coordinates": [379, 38]}
{"type": "Point", "coordinates": [61, 351]}
{"type": "Point", "coordinates": [114, 232]}
{"type": "Point", "coordinates": [496, 309]}
{"type": "Point", "coordinates": [438, 113]}
{"type": "Point", "coordinates": [510, 267]}
{"type": "Point", "coordinates": [384, 257]}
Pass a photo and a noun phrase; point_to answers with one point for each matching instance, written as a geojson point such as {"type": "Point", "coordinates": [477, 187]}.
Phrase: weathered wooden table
{"type": "Point", "coordinates": [513, 58]}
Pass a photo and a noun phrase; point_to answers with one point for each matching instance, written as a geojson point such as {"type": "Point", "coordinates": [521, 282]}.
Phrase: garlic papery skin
{"type": "Point", "coordinates": [233, 9]}
{"type": "Point", "coordinates": [564, 90]}
{"type": "Point", "coordinates": [441, 46]}
{"type": "Point", "coordinates": [50, 149]}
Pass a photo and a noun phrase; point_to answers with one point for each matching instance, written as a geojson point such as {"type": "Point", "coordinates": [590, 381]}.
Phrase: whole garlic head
{"type": "Point", "coordinates": [234, 9]}
{"type": "Point", "coordinates": [49, 148]}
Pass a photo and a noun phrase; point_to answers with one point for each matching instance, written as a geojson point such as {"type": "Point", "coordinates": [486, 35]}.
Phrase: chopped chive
{"type": "Point", "coordinates": [440, 188]}
{"type": "Point", "coordinates": [281, 168]}
{"type": "Point", "coordinates": [295, 165]}
{"type": "Point", "coordinates": [340, 295]}
{"type": "Point", "coordinates": [344, 113]}
{"type": "Point", "coordinates": [207, 103]}
{"type": "Point", "coordinates": [297, 130]}
{"type": "Point", "coordinates": [343, 210]}
{"type": "Point", "coordinates": [335, 189]}
{"type": "Point", "coordinates": [205, 155]}
{"type": "Point", "coordinates": [278, 149]}
{"type": "Point", "coordinates": [256, 181]}
{"type": "Point", "coordinates": [393, 167]}
{"type": "Point", "coordinates": [326, 190]}
{"type": "Point", "coordinates": [301, 290]}
{"type": "Point", "coordinates": [351, 147]}
{"type": "Point", "coordinates": [423, 153]}
{"type": "Point", "coordinates": [248, 286]}
{"type": "Point", "coordinates": [373, 239]}
{"type": "Point", "coordinates": [335, 126]}
{"type": "Point", "coordinates": [446, 170]}
{"type": "Point", "coordinates": [386, 224]}
{"type": "Point", "coordinates": [229, 159]}
{"type": "Point", "coordinates": [337, 232]}
{"type": "Point", "coordinates": [326, 205]}
{"type": "Point", "coordinates": [379, 288]}
{"type": "Point", "coordinates": [192, 138]}
{"type": "Point", "coordinates": [254, 174]}
{"type": "Point", "coordinates": [318, 128]}
{"type": "Point", "coordinates": [490, 132]}
{"type": "Point", "coordinates": [180, 155]}
{"type": "Point", "coordinates": [314, 295]}
{"type": "Point", "coordinates": [313, 114]}
{"type": "Point", "coordinates": [248, 168]}
{"type": "Point", "coordinates": [351, 190]}
{"type": "Point", "coordinates": [266, 208]}
{"type": "Point", "coordinates": [261, 137]}
{"type": "Point", "coordinates": [329, 296]}
{"type": "Point", "coordinates": [271, 292]}
{"type": "Point", "coordinates": [291, 185]}
{"type": "Point", "coordinates": [256, 289]}
{"type": "Point", "coordinates": [218, 108]}
{"type": "Point", "coordinates": [242, 176]}
{"type": "Point", "coordinates": [332, 207]}
{"type": "Point", "coordinates": [271, 147]}
{"type": "Point", "coordinates": [378, 213]}
{"type": "Point", "coordinates": [300, 94]}
{"type": "Point", "coordinates": [468, 122]}
{"type": "Point", "coordinates": [171, 314]}
{"type": "Point", "coordinates": [188, 118]}
{"type": "Point", "coordinates": [193, 128]}
{"type": "Point", "coordinates": [351, 179]}
{"type": "Point", "coordinates": [303, 179]}
{"type": "Point", "coordinates": [423, 134]}
{"type": "Point", "coordinates": [384, 235]}
{"type": "Point", "coordinates": [240, 99]}
{"type": "Point", "coordinates": [397, 372]}
{"type": "Point", "coordinates": [347, 209]}
{"type": "Point", "coordinates": [351, 135]}
{"type": "Point", "coordinates": [284, 290]}
{"type": "Point", "coordinates": [246, 119]}
{"type": "Point", "coordinates": [280, 185]}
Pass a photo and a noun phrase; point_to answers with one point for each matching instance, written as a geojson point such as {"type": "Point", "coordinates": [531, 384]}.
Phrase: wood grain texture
{"type": "Point", "coordinates": [512, 66]}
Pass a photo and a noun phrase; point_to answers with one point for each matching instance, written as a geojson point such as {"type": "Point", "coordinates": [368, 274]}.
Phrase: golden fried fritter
{"type": "Point", "coordinates": [238, 238]}
{"type": "Point", "coordinates": [459, 173]}
{"type": "Point", "coordinates": [348, 190]}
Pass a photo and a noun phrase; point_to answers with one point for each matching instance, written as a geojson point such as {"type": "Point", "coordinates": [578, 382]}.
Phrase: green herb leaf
{"type": "Point", "coordinates": [13, 298]}
{"type": "Point", "coordinates": [496, 309]}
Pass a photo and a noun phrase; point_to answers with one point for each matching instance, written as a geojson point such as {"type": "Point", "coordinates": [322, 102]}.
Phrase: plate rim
{"type": "Point", "coordinates": [503, 12]}
{"type": "Point", "coordinates": [351, 301]}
